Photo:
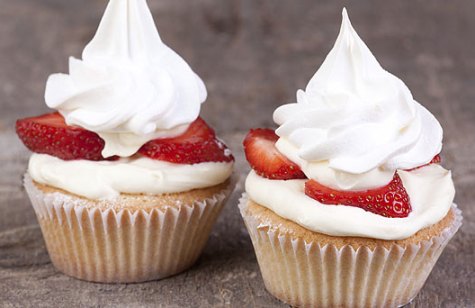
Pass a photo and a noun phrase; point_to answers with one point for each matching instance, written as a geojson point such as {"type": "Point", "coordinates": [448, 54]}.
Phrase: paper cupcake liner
{"type": "Point", "coordinates": [311, 275]}
{"type": "Point", "coordinates": [123, 245]}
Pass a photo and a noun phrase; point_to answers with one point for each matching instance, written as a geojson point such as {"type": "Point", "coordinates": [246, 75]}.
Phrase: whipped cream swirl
{"type": "Point", "coordinates": [129, 86]}
{"type": "Point", "coordinates": [355, 116]}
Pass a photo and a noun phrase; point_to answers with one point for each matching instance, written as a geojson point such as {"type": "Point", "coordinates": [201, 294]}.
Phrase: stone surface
{"type": "Point", "coordinates": [253, 55]}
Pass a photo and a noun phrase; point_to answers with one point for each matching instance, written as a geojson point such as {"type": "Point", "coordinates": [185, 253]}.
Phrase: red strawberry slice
{"type": "Point", "coordinates": [391, 200]}
{"type": "Point", "coordinates": [49, 134]}
{"type": "Point", "coordinates": [436, 160]}
{"type": "Point", "coordinates": [266, 160]}
{"type": "Point", "coordinates": [198, 144]}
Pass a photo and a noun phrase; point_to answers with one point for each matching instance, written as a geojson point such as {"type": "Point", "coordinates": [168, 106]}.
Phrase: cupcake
{"type": "Point", "coordinates": [347, 204]}
{"type": "Point", "coordinates": [126, 179]}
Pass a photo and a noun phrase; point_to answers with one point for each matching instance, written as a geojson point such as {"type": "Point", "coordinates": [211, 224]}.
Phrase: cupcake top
{"type": "Point", "coordinates": [358, 117]}
{"type": "Point", "coordinates": [356, 155]}
{"type": "Point", "coordinates": [128, 117]}
{"type": "Point", "coordinates": [129, 86]}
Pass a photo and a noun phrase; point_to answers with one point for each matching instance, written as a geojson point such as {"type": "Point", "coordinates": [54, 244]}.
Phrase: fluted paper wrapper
{"type": "Point", "coordinates": [122, 245]}
{"type": "Point", "coordinates": [310, 275]}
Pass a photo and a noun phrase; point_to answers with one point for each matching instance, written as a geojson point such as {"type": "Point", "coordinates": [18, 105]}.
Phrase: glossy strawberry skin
{"type": "Point", "coordinates": [436, 160]}
{"type": "Point", "coordinates": [266, 160]}
{"type": "Point", "coordinates": [391, 200]}
{"type": "Point", "coordinates": [49, 134]}
{"type": "Point", "coordinates": [197, 145]}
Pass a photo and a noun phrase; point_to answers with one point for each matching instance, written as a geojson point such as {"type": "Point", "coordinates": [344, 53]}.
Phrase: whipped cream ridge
{"type": "Point", "coordinates": [129, 86]}
{"type": "Point", "coordinates": [330, 177]}
{"type": "Point", "coordinates": [135, 175]}
{"type": "Point", "coordinates": [357, 118]}
{"type": "Point", "coordinates": [430, 190]}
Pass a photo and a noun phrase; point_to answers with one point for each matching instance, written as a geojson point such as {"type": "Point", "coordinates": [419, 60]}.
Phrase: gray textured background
{"type": "Point", "coordinates": [253, 56]}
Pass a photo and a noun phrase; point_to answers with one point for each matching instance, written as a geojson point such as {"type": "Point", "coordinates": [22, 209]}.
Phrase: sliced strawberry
{"type": "Point", "coordinates": [49, 134]}
{"type": "Point", "coordinates": [435, 160]}
{"type": "Point", "coordinates": [266, 160]}
{"type": "Point", "coordinates": [391, 200]}
{"type": "Point", "coordinates": [198, 144]}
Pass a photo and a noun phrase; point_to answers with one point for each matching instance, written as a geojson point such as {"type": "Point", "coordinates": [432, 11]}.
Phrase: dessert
{"type": "Point", "coordinates": [347, 204]}
{"type": "Point", "coordinates": [126, 179]}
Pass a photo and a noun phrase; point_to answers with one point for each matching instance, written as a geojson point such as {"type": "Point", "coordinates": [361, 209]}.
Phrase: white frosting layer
{"type": "Point", "coordinates": [129, 87]}
{"type": "Point", "coordinates": [356, 116]}
{"type": "Point", "coordinates": [430, 190]}
{"type": "Point", "coordinates": [107, 179]}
